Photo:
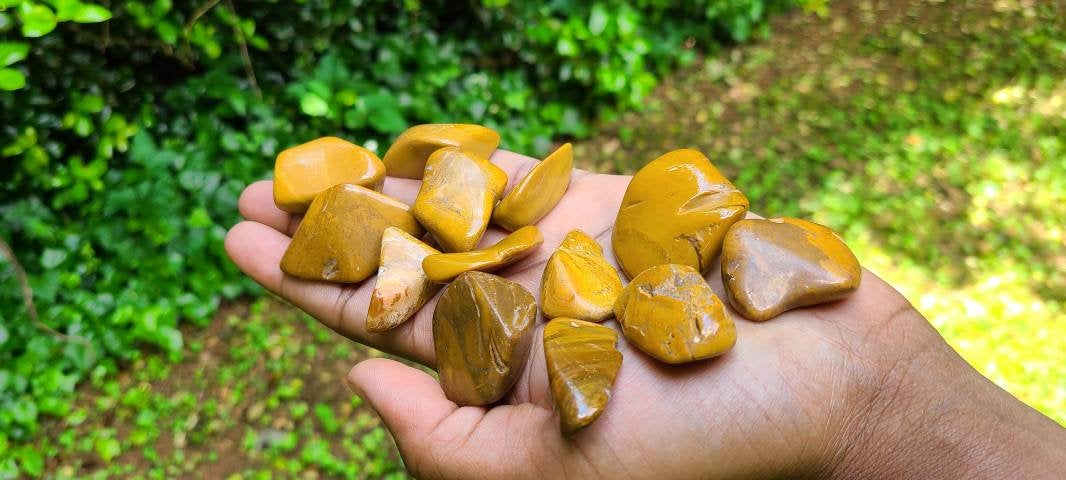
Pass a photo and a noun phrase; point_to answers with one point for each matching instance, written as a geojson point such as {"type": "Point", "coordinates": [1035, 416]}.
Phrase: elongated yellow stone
{"type": "Point", "coordinates": [772, 266]}
{"type": "Point", "coordinates": [482, 330]}
{"type": "Point", "coordinates": [670, 313]}
{"type": "Point", "coordinates": [446, 266]}
{"type": "Point", "coordinates": [578, 281]}
{"type": "Point", "coordinates": [456, 198]}
{"type": "Point", "coordinates": [583, 362]}
{"type": "Point", "coordinates": [402, 287]}
{"type": "Point", "coordinates": [408, 154]}
{"type": "Point", "coordinates": [304, 171]}
{"type": "Point", "coordinates": [339, 239]}
{"type": "Point", "coordinates": [538, 192]}
{"type": "Point", "coordinates": [675, 210]}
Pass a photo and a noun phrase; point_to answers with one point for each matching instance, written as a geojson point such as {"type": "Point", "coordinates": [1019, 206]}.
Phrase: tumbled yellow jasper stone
{"type": "Point", "coordinates": [408, 154]}
{"type": "Point", "coordinates": [303, 171]}
{"type": "Point", "coordinates": [446, 266]}
{"type": "Point", "coordinates": [771, 266]}
{"type": "Point", "coordinates": [339, 239]}
{"type": "Point", "coordinates": [675, 210]}
{"type": "Point", "coordinates": [670, 313]}
{"type": "Point", "coordinates": [538, 192]}
{"type": "Point", "coordinates": [402, 287]}
{"type": "Point", "coordinates": [482, 330]}
{"type": "Point", "coordinates": [456, 198]}
{"type": "Point", "coordinates": [578, 282]}
{"type": "Point", "coordinates": [582, 365]}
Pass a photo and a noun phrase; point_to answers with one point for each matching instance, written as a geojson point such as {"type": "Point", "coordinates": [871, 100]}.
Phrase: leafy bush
{"type": "Point", "coordinates": [127, 141]}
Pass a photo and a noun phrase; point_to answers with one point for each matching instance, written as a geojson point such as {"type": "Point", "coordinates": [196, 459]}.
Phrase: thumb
{"type": "Point", "coordinates": [439, 439]}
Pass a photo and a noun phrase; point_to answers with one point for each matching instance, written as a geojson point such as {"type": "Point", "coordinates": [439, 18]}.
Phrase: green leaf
{"type": "Point", "coordinates": [51, 258]}
{"type": "Point", "coordinates": [11, 79]}
{"type": "Point", "coordinates": [30, 461]}
{"type": "Point", "coordinates": [89, 13]}
{"type": "Point", "coordinates": [107, 448]}
{"type": "Point", "coordinates": [598, 19]}
{"type": "Point", "coordinates": [11, 52]}
{"type": "Point", "coordinates": [313, 105]}
{"type": "Point", "coordinates": [37, 19]}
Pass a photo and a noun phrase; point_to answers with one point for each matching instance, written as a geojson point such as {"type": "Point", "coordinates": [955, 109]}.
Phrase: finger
{"type": "Point", "coordinates": [257, 202]}
{"type": "Point", "coordinates": [439, 439]}
{"type": "Point", "coordinates": [257, 250]}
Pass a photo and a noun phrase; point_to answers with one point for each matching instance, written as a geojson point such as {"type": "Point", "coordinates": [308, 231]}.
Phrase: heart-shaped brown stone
{"type": "Point", "coordinates": [578, 282]}
{"type": "Point", "coordinates": [339, 239]}
{"type": "Point", "coordinates": [772, 266]}
{"type": "Point", "coordinates": [675, 210]}
{"type": "Point", "coordinates": [482, 331]}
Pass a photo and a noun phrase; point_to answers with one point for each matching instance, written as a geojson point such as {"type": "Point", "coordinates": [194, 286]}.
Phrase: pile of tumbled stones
{"type": "Point", "coordinates": [678, 215]}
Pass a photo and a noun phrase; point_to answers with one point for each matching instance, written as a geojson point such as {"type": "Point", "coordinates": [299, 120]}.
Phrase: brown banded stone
{"type": "Point", "coordinates": [772, 266]}
{"type": "Point", "coordinates": [401, 287]}
{"type": "Point", "coordinates": [582, 365]}
{"type": "Point", "coordinates": [538, 192]}
{"type": "Point", "coordinates": [304, 171]}
{"type": "Point", "coordinates": [339, 239]}
{"type": "Point", "coordinates": [670, 313]}
{"type": "Point", "coordinates": [482, 329]}
{"type": "Point", "coordinates": [578, 282]}
{"type": "Point", "coordinates": [456, 198]}
{"type": "Point", "coordinates": [675, 210]}
{"type": "Point", "coordinates": [407, 156]}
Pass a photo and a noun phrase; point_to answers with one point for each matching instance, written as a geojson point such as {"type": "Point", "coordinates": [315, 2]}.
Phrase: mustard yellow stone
{"type": "Point", "coordinates": [670, 313]}
{"type": "Point", "coordinates": [582, 365]}
{"type": "Point", "coordinates": [675, 210]}
{"type": "Point", "coordinates": [482, 330]}
{"type": "Point", "coordinates": [578, 282]}
{"type": "Point", "coordinates": [456, 198]}
{"type": "Point", "coordinates": [303, 171]}
{"type": "Point", "coordinates": [408, 154]}
{"type": "Point", "coordinates": [339, 239]}
{"type": "Point", "coordinates": [772, 266]}
{"type": "Point", "coordinates": [446, 266]}
{"type": "Point", "coordinates": [402, 287]}
{"type": "Point", "coordinates": [538, 192]}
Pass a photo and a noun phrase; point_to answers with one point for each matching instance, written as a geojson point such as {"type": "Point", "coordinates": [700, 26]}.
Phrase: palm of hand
{"type": "Point", "coordinates": [773, 405]}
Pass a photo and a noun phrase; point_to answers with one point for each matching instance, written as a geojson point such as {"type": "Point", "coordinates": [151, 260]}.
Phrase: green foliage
{"type": "Point", "coordinates": [127, 142]}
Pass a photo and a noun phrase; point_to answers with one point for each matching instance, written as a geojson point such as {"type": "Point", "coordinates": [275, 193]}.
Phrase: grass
{"type": "Point", "coordinates": [928, 133]}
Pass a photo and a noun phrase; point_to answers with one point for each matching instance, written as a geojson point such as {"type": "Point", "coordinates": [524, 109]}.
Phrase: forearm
{"type": "Point", "coordinates": [935, 417]}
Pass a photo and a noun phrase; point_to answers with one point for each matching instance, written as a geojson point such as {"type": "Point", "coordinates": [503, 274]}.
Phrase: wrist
{"type": "Point", "coordinates": [925, 413]}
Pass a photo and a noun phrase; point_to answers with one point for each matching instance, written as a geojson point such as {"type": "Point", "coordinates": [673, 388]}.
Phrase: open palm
{"type": "Point", "coordinates": [778, 404]}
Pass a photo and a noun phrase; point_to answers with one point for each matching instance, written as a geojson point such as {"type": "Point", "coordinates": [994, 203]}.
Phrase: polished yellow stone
{"type": "Point", "coordinates": [445, 267]}
{"type": "Point", "coordinates": [402, 287]}
{"type": "Point", "coordinates": [339, 239]}
{"type": "Point", "coordinates": [578, 282]}
{"type": "Point", "coordinates": [408, 154]}
{"type": "Point", "coordinates": [482, 330]}
{"type": "Point", "coordinates": [582, 365]}
{"type": "Point", "coordinates": [675, 210]}
{"type": "Point", "coordinates": [456, 198]}
{"type": "Point", "coordinates": [304, 171]}
{"type": "Point", "coordinates": [772, 266]}
{"type": "Point", "coordinates": [538, 192]}
{"type": "Point", "coordinates": [670, 313]}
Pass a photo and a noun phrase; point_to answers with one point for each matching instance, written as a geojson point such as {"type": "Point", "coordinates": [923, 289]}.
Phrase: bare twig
{"type": "Point", "coordinates": [206, 7]}
{"type": "Point", "coordinates": [31, 309]}
{"type": "Point", "coordinates": [245, 56]}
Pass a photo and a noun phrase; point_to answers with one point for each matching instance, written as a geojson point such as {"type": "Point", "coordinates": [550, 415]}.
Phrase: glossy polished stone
{"type": "Point", "coordinates": [482, 331]}
{"type": "Point", "coordinates": [578, 282]}
{"type": "Point", "coordinates": [675, 210]}
{"type": "Point", "coordinates": [339, 239]}
{"type": "Point", "coordinates": [670, 313]}
{"type": "Point", "coordinates": [402, 287]}
{"type": "Point", "coordinates": [408, 154]}
{"type": "Point", "coordinates": [303, 171]}
{"type": "Point", "coordinates": [456, 198]}
{"type": "Point", "coordinates": [772, 266]}
{"type": "Point", "coordinates": [538, 192]}
{"type": "Point", "coordinates": [445, 267]}
{"type": "Point", "coordinates": [582, 364]}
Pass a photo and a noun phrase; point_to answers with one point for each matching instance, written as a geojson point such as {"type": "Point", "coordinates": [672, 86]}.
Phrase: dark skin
{"type": "Point", "coordinates": [860, 388]}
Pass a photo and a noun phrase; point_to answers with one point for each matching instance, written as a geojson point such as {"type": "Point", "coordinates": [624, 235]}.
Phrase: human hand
{"type": "Point", "coordinates": [863, 387]}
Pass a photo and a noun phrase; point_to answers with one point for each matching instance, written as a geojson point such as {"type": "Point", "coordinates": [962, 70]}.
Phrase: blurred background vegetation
{"type": "Point", "coordinates": [929, 133]}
